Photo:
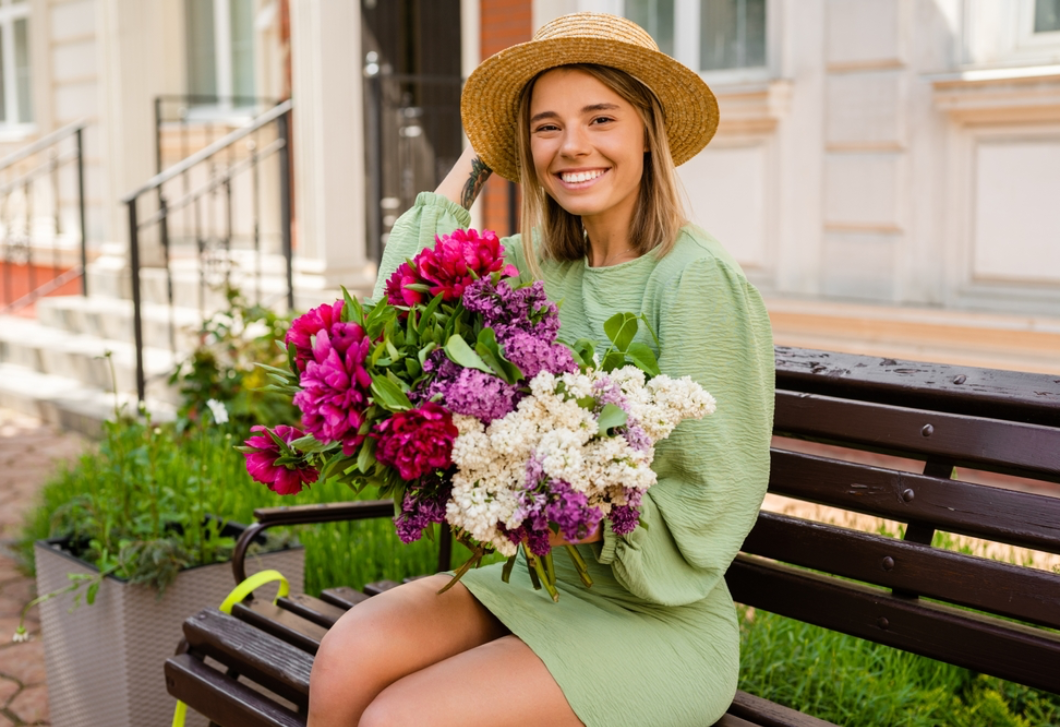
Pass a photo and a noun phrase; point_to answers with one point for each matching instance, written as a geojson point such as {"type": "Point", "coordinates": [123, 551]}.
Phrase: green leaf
{"type": "Point", "coordinates": [643, 358]}
{"type": "Point", "coordinates": [611, 416]}
{"type": "Point", "coordinates": [418, 287]}
{"type": "Point", "coordinates": [613, 360]}
{"type": "Point", "coordinates": [651, 330]}
{"type": "Point", "coordinates": [366, 457]}
{"type": "Point", "coordinates": [413, 367]}
{"type": "Point", "coordinates": [397, 381]}
{"type": "Point", "coordinates": [490, 351]}
{"type": "Point", "coordinates": [93, 589]}
{"type": "Point", "coordinates": [428, 313]}
{"type": "Point", "coordinates": [352, 310]}
{"type": "Point", "coordinates": [621, 328]}
{"type": "Point", "coordinates": [309, 444]}
{"type": "Point", "coordinates": [587, 402]}
{"type": "Point", "coordinates": [425, 351]}
{"type": "Point", "coordinates": [460, 353]}
{"type": "Point", "coordinates": [389, 395]}
{"type": "Point", "coordinates": [292, 359]}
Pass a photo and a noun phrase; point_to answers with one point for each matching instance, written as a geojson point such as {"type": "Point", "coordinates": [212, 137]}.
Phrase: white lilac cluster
{"type": "Point", "coordinates": [505, 473]}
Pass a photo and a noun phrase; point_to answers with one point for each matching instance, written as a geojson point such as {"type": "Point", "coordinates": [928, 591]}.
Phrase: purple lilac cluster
{"type": "Point", "coordinates": [509, 311]}
{"type": "Point", "coordinates": [422, 506]}
{"type": "Point", "coordinates": [545, 501]}
{"type": "Point", "coordinates": [624, 518]}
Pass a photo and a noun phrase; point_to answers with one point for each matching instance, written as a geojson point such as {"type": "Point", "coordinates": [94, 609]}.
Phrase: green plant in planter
{"type": "Point", "coordinates": [222, 368]}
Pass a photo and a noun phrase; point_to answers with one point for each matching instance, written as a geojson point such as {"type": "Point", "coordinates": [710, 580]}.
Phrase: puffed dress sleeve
{"type": "Point", "coordinates": [712, 473]}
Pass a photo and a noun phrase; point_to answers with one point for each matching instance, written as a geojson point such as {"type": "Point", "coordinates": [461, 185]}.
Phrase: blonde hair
{"type": "Point", "coordinates": [659, 215]}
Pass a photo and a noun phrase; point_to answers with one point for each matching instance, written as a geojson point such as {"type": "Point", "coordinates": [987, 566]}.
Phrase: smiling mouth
{"type": "Point", "coordinates": [581, 178]}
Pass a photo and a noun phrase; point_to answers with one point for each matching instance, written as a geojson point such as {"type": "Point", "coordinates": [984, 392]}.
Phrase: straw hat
{"type": "Point", "coordinates": [490, 102]}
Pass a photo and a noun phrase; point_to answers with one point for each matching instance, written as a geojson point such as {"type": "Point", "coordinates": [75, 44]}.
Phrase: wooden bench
{"type": "Point", "coordinates": [840, 422]}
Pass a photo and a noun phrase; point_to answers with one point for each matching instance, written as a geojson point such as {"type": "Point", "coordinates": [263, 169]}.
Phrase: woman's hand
{"type": "Point", "coordinates": [466, 179]}
{"type": "Point", "coordinates": [557, 540]}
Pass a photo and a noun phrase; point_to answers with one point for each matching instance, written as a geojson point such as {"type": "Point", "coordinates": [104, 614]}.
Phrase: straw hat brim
{"type": "Point", "coordinates": [489, 104]}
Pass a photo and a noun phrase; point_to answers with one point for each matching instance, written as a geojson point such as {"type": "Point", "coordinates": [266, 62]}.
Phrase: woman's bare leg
{"type": "Point", "coordinates": [501, 683]}
{"type": "Point", "coordinates": [390, 636]}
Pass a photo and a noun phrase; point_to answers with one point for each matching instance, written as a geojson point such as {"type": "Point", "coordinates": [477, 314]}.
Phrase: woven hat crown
{"type": "Point", "coordinates": [489, 105]}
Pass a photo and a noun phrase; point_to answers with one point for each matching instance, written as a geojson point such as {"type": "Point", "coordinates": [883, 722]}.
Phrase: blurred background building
{"type": "Point", "coordinates": [886, 171]}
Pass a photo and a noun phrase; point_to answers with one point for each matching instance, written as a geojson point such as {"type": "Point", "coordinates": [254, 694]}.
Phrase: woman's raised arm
{"type": "Point", "coordinates": [465, 180]}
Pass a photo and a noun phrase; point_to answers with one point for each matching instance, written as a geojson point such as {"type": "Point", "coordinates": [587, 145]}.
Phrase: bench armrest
{"type": "Point", "coordinates": [268, 517]}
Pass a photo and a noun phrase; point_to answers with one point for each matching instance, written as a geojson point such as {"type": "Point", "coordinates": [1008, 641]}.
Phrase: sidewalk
{"type": "Point", "coordinates": [29, 451]}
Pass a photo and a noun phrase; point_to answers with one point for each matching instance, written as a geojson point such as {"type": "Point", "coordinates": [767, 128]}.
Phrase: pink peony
{"type": "Point", "coordinates": [261, 463]}
{"type": "Point", "coordinates": [397, 293]}
{"type": "Point", "coordinates": [303, 328]}
{"type": "Point", "coordinates": [456, 260]}
{"type": "Point", "coordinates": [416, 441]}
{"type": "Point", "coordinates": [335, 386]}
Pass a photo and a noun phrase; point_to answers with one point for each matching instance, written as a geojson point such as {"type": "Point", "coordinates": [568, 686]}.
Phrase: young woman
{"type": "Point", "coordinates": [590, 118]}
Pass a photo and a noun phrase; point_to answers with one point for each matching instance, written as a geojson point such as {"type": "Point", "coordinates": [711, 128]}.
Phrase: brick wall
{"type": "Point", "coordinates": [503, 23]}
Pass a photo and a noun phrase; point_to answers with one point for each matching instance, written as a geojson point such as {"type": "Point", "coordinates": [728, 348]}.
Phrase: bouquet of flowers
{"type": "Point", "coordinates": [455, 397]}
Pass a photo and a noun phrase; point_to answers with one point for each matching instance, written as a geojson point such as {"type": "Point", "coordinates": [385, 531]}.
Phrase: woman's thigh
{"type": "Point", "coordinates": [389, 636]}
{"type": "Point", "coordinates": [501, 683]}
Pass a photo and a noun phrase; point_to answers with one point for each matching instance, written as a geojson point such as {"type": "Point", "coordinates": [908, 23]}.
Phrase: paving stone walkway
{"type": "Point", "coordinates": [29, 453]}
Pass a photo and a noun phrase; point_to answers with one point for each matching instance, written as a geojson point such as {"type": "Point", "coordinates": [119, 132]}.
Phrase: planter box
{"type": "Point", "coordinates": [104, 662]}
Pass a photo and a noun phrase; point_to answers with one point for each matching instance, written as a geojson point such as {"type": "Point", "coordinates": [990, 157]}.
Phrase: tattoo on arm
{"type": "Point", "coordinates": [479, 174]}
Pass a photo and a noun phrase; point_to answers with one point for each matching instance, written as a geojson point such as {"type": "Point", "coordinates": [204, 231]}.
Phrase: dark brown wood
{"type": "Point", "coordinates": [998, 445]}
{"type": "Point", "coordinates": [770, 714]}
{"type": "Point", "coordinates": [342, 596]}
{"type": "Point", "coordinates": [1008, 590]}
{"type": "Point", "coordinates": [319, 612]}
{"type": "Point", "coordinates": [728, 720]}
{"type": "Point", "coordinates": [251, 652]}
{"type": "Point", "coordinates": [1017, 518]}
{"type": "Point", "coordinates": [990, 645]}
{"type": "Point", "coordinates": [1013, 395]}
{"type": "Point", "coordinates": [374, 589]}
{"type": "Point", "coordinates": [325, 513]}
{"type": "Point", "coordinates": [223, 699]}
{"type": "Point", "coordinates": [282, 624]}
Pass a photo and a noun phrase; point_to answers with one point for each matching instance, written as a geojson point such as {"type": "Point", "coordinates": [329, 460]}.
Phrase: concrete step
{"type": "Point", "coordinates": [81, 357]}
{"type": "Point", "coordinates": [1016, 342]}
{"type": "Point", "coordinates": [68, 403]}
{"type": "Point", "coordinates": [112, 318]}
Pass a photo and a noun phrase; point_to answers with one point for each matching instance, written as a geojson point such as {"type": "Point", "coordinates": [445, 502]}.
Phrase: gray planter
{"type": "Point", "coordinates": [104, 662]}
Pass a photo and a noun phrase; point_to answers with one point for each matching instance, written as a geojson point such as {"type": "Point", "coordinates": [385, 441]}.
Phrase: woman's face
{"type": "Point", "coordinates": [587, 144]}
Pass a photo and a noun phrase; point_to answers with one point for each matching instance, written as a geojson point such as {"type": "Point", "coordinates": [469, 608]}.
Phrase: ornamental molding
{"type": "Point", "coordinates": [752, 107]}
{"type": "Point", "coordinates": [999, 95]}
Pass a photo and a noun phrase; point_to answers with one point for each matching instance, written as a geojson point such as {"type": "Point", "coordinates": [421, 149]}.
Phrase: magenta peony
{"type": "Point", "coordinates": [335, 386]}
{"type": "Point", "coordinates": [416, 441]}
{"type": "Point", "coordinates": [303, 328]}
{"type": "Point", "coordinates": [458, 259]}
{"type": "Point", "coordinates": [397, 293]}
{"type": "Point", "coordinates": [261, 462]}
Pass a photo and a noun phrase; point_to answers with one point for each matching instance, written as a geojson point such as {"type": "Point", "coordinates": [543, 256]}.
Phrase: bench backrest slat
{"type": "Point", "coordinates": [991, 444]}
{"type": "Point", "coordinates": [1008, 590]}
{"type": "Point", "coordinates": [1018, 518]}
{"type": "Point", "coordinates": [999, 648]}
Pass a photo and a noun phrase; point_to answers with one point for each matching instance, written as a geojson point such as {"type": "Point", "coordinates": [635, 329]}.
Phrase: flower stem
{"type": "Point", "coordinates": [475, 558]}
{"type": "Point", "coordinates": [506, 573]}
{"type": "Point", "coordinates": [534, 580]}
{"type": "Point", "coordinates": [579, 565]}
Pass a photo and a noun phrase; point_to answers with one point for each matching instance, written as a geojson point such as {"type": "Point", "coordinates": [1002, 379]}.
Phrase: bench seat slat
{"type": "Point", "coordinates": [1014, 395]}
{"type": "Point", "coordinates": [770, 714]}
{"type": "Point", "coordinates": [312, 609]}
{"type": "Point", "coordinates": [342, 596]}
{"type": "Point", "coordinates": [968, 441]}
{"type": "Point", "coordinates": [1017, 518]}
{"type": "Point", "coordinates": [986, 585]}
{"type": "Point", "coordinates": [252, 652]}
{"type": "Point", "coordinates": [1003, 649]}
{"type": "Point", "coordinates": [377, 587]}
{"type": "Point", "coordinates": [284, 625]}
{"type": "Point", "coordinates": [223, 699]}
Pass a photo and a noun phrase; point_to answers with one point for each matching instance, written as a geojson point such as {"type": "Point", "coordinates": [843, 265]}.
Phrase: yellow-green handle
{"type": "Point", "coordinates": [238, 593]}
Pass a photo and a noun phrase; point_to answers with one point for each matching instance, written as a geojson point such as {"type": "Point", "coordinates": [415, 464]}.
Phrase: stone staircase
{"type": "Point", "coordinates": [55, 367]}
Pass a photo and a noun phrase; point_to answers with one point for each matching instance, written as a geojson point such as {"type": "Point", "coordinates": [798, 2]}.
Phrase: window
{"type": "Point", "coordinates": [16, 102]}
{"type": "Point", "coordinates": [711, 35]}
{"type": "Point", "coordinates": [732, 34]}
{"type": "Point", "coordinates": [1046, 16]}
{"type": "Point", "coordinates": [220, 49]}
{"type": "Point", "coordinates": [656, 17]}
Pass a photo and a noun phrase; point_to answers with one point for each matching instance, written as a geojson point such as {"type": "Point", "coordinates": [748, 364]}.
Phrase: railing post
{"type": "Point", "coordinates": [284, 130]}
{"type": "Point", "coordinates": [81, 209]}
{"type": "Point", "coordinates": [138, 328]}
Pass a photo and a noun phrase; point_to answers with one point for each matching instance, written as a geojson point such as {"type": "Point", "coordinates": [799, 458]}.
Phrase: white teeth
{"type": "Point", "coordinates": [575, 177]}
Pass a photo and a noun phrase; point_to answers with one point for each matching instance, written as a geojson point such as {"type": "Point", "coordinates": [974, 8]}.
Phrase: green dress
{"type": "Point", "coordinates": [655, 641]}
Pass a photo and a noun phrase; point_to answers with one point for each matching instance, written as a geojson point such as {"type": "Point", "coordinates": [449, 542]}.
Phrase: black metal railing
{"type": "Point", "coordinates": [204, 214]}
{"type": "Point", "coordinates": [31, 179]}
{"type": "Point", "coordinates": [186, 123]}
